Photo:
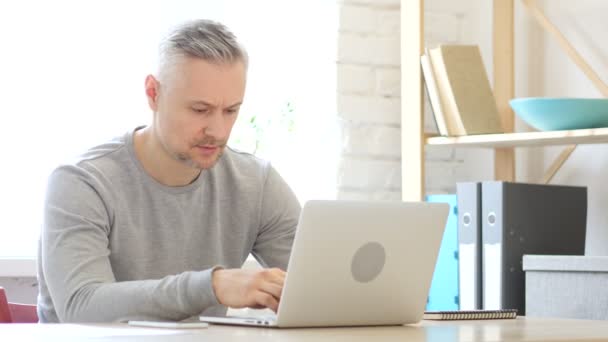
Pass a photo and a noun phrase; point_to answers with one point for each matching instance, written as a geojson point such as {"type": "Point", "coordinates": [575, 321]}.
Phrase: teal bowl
{"type": "Point", "coordinates": [555, 114]}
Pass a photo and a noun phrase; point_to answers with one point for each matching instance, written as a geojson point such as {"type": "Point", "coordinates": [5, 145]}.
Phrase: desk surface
{"type": "Point", "coordinates": [520, 329]}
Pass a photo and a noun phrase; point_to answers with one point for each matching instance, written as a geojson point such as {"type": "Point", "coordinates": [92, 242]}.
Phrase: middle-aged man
{"type": "Point", "coordinates": [157, 223]}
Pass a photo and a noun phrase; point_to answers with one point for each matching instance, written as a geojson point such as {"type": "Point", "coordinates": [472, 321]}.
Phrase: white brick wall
{"type": "Point", "coordinates": [355, 79]}
{"type": "Point", "coordinates": [361, 173]}
{"type": "Point", "coordinates": [371, 140]}
{"type": "Point", "coordinates": [388, 82]}
{"type": "Point", "coordinates": [358, 48]}
{"type": "Point", "coordinates": [369, 100]}
{"type": "Point", "coordinates": [369, 108]}
{"type": "Point", "coordinates": [393, 4]}
{"type": "Point", "coordinates": [358, 19]}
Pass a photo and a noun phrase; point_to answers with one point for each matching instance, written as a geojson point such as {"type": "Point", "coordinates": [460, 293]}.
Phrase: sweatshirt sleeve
{"type": "Point", "coordinates": [76, 265]}
{"type": "Point", "coordinates": [280, 212]}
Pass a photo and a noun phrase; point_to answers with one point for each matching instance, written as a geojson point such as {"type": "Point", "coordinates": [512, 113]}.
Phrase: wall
{"type": "Point", "coordinates": [368, 97]}
{"type": "Point", "coordinates": [545, 70]}
{"type": "Point", "coordinates": [368, 91]}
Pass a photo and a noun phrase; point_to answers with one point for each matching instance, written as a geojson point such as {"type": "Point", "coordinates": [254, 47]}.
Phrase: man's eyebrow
{"type": "Point", "coordinates": [202, 102]}
{"type": "Point", "coordinates": [211, 105]}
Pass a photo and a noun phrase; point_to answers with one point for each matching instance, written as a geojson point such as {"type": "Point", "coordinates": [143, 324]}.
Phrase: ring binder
{"type": "Point", "coordinates": [469, 245]}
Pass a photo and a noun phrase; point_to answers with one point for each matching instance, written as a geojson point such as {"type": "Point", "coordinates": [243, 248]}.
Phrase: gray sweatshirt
{"type": "Point", "coordinates": [117, 245]}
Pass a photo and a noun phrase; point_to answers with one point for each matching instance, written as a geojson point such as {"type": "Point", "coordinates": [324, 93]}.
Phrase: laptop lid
{"type": "Point", "coordinates": [361, 263]}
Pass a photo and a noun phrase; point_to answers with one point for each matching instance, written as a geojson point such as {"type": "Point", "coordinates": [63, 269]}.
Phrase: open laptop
{"type": "Point", "coordinates": [356, 263]}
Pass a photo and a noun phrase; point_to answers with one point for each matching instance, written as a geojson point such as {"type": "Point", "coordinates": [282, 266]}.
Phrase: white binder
{"type": "Point", "coordinates": [469, 245]}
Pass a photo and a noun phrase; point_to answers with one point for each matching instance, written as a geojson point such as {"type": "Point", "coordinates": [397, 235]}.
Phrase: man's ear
{"type": "Point", "coordinates": [152, 89]}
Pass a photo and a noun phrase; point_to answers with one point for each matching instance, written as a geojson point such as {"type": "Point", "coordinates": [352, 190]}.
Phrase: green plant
{"type": "Point", "coordinates": [264, 130]}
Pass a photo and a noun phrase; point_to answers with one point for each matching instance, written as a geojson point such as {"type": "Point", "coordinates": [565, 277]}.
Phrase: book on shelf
{"type": "Point", "coordinates": [433, 94]}
{"type": "Point", "coordinates": [470, 314]}
{"type": "Point", "coordinates": [464, 100]}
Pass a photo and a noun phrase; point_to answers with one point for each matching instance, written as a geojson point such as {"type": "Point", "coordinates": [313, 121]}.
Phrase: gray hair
{"type": "Point", "coordinates": [205, 39]}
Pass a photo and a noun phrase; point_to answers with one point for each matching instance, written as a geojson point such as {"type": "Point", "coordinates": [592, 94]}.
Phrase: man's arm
{"type": "Point", "coordinates": [76, 265]}
{"type": "Point", "coordinates": [280, 212]}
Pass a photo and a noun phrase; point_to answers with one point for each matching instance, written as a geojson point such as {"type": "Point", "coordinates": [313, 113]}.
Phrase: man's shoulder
{"type": "Point", "coordinates": [106, 150]}
{"type": "Point", "coordinates": [101, 157]}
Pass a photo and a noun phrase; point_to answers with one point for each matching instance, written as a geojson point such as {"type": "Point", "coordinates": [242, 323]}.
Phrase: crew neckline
{"type": "Point", "coordinates": [130, 144]}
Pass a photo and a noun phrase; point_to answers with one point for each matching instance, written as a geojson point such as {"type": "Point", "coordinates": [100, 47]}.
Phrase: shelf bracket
{"type": "Point", "coordinates": [557, 164]}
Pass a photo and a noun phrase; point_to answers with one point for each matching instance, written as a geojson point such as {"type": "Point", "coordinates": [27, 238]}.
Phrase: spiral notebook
{"type": "Point", "coordinates": [470, 314]}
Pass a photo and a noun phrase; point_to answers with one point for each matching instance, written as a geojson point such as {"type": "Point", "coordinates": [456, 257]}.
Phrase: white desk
{"type": "Point", "coordinates": [521, 329]}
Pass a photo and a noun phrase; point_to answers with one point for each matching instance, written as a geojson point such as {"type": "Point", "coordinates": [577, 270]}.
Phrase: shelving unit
{"type": "Point", "coordinates": [413, 138]}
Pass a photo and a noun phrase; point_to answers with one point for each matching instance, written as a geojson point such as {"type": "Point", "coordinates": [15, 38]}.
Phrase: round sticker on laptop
{"type": "Point", "coordinates": [368, 262]}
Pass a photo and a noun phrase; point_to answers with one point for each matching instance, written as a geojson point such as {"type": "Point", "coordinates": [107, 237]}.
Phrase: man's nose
{"type": "Point", "coordinates": [215, 125]}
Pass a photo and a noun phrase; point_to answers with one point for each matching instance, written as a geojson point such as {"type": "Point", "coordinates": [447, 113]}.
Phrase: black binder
{"type": "Point", "coordinates": [520, 219]}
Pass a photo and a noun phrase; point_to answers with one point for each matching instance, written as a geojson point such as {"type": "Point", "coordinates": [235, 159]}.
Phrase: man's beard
{"type": "Point", "coordinates": [208, 140]}
{"type": "Point", "coordinates": [185, 159]}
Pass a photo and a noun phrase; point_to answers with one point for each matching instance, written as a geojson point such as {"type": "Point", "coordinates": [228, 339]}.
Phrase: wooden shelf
{"type": "Point", "coordinates": [572, 137]}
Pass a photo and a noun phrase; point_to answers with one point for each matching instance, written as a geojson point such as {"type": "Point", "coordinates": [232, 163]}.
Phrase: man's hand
{"type": "Point", "coordinates": [256, 289]}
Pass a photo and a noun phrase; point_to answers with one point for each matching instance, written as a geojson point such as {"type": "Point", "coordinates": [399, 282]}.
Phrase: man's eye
{"type": "Point", "coordinates": [200, 110]}
{"type": "Point", "coordinates": [232, 111]}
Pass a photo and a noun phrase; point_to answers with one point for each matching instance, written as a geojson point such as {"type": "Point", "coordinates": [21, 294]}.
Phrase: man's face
{"type": "Point", "coordinates": [196, 108]}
